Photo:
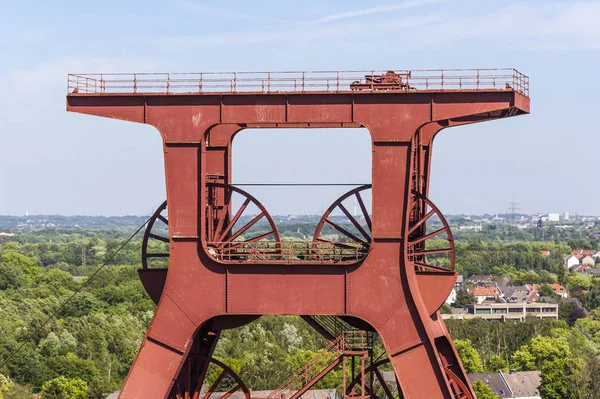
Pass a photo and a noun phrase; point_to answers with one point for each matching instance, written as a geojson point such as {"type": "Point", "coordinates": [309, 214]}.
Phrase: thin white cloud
{"type": "Point", "coordinates": [544, 27]}
{"type": "Point", "coordinates": [560, 26]}
{"type": "Point", "coordinates": [220, 12]}
{"type": "Point", "coordinates": [375, 10]}
{"type": "Point", "coordinates": [296, 33]}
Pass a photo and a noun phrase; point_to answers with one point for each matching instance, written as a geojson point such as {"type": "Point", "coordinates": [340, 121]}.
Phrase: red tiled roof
{"type": "Point", "coordinates": [583, 252]}
{"type": "Point", "coordinates": [485, 291]}
{"type": "Point", "coordinates": [557, 288]}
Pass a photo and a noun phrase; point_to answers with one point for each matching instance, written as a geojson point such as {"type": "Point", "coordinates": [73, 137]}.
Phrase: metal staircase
{"type": "Point", "coordinates": [348, 343]}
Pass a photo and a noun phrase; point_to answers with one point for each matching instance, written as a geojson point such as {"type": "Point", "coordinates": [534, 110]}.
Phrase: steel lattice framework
{"type": "Point", "coordinates": [383, 276]}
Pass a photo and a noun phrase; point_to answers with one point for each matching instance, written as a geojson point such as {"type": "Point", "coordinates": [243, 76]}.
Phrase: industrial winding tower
{"type": "Point", "coordinates": [389, 270]}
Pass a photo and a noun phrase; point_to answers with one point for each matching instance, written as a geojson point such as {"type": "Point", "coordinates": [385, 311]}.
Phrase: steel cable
{"type": "Point", "coordinates": [295, 184]}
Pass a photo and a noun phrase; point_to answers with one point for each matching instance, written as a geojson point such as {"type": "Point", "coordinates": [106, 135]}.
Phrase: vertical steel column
{"type": "Point", "coordinates": [344, 384]}
{"type": "Point", "coordinates": [406, 347]}
{"type": "Point", "coordinates": [362, 375]}
{"type": "Point", "coordinates": [424, 139]}
{"type": "Point", "coordinates": [216, 149]}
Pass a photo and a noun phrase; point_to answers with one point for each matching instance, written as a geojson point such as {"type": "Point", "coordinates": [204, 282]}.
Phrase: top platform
{"type": "Point", "coordinates": [210, 83]}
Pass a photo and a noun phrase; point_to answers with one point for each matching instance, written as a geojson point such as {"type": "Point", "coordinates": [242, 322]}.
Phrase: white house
{"type": "Point", "coordinates": [483, 293]}
{"type": "Point", "coordinates": [572, 261]}
{"type": "Point", "coordinates": [452, 297]}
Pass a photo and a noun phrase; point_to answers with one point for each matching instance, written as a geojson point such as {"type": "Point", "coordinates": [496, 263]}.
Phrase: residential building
{"type": "Point", "coordinates": [587, 260]}
{"type": "Point", "coordinates": [485, 293]}
{"type": "Point", "coordinates": [583, 252]}
{"type": "Point", "coordinates": [553, 217]}
{"type": "Point", "coordinates": [494, 381]}
{"type": "Point", "coordinates": [519, 294]}
{"type": "Point", "coordinates": [586, 257]}
{"type": "Point", "coordinates": [507, 311]}
{"type": "Point", "coordinates": [502, 283]}
{"type": "Point", "coordinates": [479, 279]}
{"type": "Point", "coordinates": [571, 261]}
{"type": "Point", "coordinates": [459, 281]}
{"type": "Point", "coordinates": [581, 269]}
{"type": "Point", "coordinates": [520, 384]}
{"type": "Point", "coordinates": [595, 271]}
{"type": "Point", "coordinates": [516, 385]}
{"type": "Point", "coordinates": [458, 311]}
{"type": "Point", "coordinates": [452, 297]}
{"type": "Point", "coordinates": [557, 288]}
{"type": "Point", "coordinates": [561, 300]}
{"type": "Point", "coordinates": [545, 252]}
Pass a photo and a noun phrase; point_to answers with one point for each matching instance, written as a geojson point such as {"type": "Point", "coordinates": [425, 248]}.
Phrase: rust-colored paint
{"type": "Point", "coordinates": [435, 287]}
{"type": "Point", "coordinates": [384, 289]}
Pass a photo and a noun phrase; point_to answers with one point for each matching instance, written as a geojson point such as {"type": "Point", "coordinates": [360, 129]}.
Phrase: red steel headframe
{"type": "Point", "coordinates": [392, 288]}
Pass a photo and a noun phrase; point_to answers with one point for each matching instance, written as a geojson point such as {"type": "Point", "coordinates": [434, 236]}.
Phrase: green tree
{"type": "Point", "coordinates": [5, 385]}
{"type": "Point", "coordinates": [581, 243]}
{"type": "Point", "coordinates": [582, 381]}
{"type": "Point", "coordinates": [565, 309]}
{"type": "Point", "coordinates": [578, 282]}
{"type": "Point", "coordinates": [64, 388]}
{"type": "Point", "coordinates": [550, 355]}
{"type": "Point", "coordinates": [11, 277]}
{"type": "Point", "coordinates": [17, 391]}
{"type": "Point", "coordinates": [496, 363]}
{"type": "Point", "coordinates": [523, 359]}
{"type": "Point", "coordinates": [548, 350]}
{"type": "Point", "coordinates": [546, 290]}
{"type": "Point", "coordinates": [483, 391]}
{"type": "Point", "coordinates": [28, 264]}
{"type": "Point", "coordinates": [71, 366]}
{"type": "Point", "coordinates": [97, 388]}
{"type": "Point", "coordinates": [554, 379]}
{"type": "Point", "coordinates": [297, 361]}
{"type": "Point", "coordinates": [469, 356]}
{"type": "Point", "coordinates": [463, 298]}
{"type": "Point", "coordinates": [577, 313]}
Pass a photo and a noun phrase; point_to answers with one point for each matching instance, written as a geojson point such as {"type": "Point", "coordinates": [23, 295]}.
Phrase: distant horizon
{"type": "Point", "coordinates": [571, 215]}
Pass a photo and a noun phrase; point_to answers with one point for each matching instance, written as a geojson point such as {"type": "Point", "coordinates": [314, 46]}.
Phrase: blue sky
{"type": "Point", "coordinates": [54, 162]}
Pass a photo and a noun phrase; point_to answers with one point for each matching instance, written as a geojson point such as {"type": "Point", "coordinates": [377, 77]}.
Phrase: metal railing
{"type": "Point", "coordinates": [286, 252]}
{"type": "Point", "coordinates": [356, 340]}
{"type": "Point", "coordinates": [501, 79]}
